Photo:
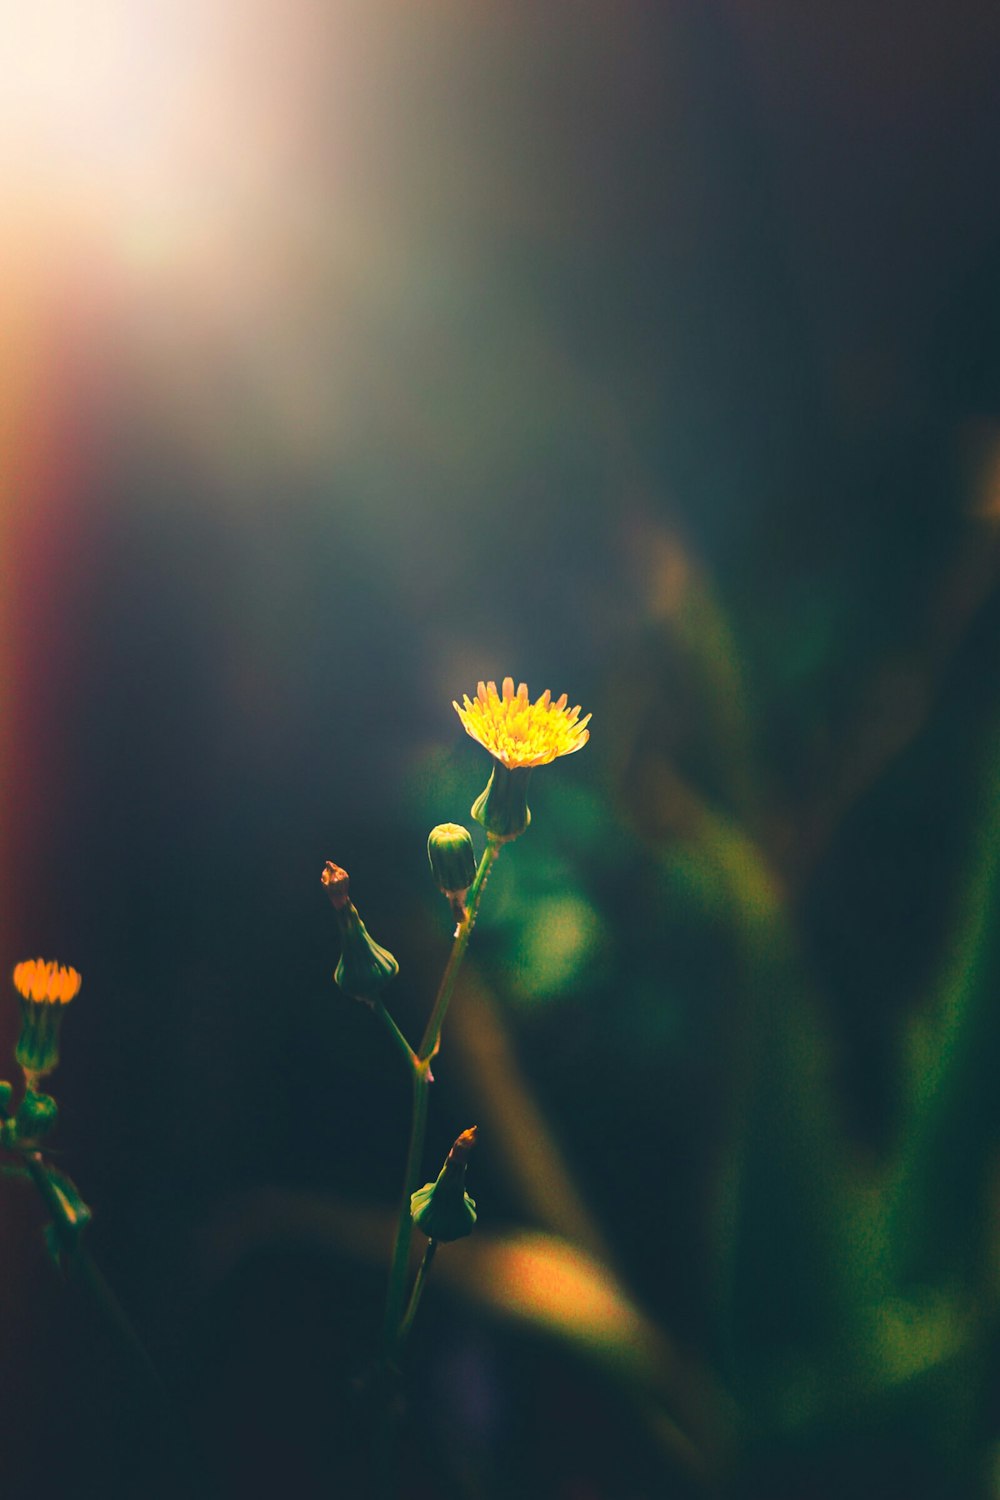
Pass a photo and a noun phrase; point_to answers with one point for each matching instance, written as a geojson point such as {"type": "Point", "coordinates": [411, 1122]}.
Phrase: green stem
{"type": "Point", "coordinates": [418, 1289]}
{"type": "Point", "coordinates": [68, 1227]}
{"type": "Point", "coordinates": [392, 1334]}
{"type": "Point", "coordinates": [63, 1218]}
{"type": "Point", "coordinates": [68, 1230]}
{"type": "Point", "coordinates": [432, 1034]}
{"type": "Point", "coordinates": [404, 1227]}
{"type": "Point", "coordinates": [396, 1034]}
{"type": "Point", "coordinates": [90, 1273]}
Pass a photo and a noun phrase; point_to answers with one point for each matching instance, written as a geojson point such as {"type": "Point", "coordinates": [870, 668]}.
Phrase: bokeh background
{"type": "Point", "coordinates": [352, 353]}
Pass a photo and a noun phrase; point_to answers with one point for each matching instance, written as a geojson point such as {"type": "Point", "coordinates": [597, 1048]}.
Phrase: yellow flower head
{"type": "Point", "coordinates": [40, 981]}
{"type": "Point", "coordinates": [44, 989]}
{"type": "Point", "coordinates": [519, 733]}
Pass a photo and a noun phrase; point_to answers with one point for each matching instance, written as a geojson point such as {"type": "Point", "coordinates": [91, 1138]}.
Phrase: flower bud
{"type": "Point", "coordinates": [365, 968]}
{"type": "Point", "coordinates": [502, 807]}
{"type": "Point", "coordinates": [36, 1116]}
{"type": "Point", "coordinates": [337, 883]}
{"type": "Point", "coordinates": [443, 1210]}
{"type": "Point", "coordinates": [6, 1097]}
{"type": "Point", "coordinates": [44, 989]}
{"type": "Point", "coordinates": [453, 860]}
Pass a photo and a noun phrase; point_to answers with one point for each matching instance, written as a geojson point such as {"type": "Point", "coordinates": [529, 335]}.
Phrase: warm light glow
{"type": "Point", "coordinates": [545, 1281]}
{"type": "Point", "coordinates": [519, 733]}
{"type": "Point", "coordinates": [158, 130]}
{"type": "Point", "coordinates": [95, 97]}
{"type": "Point", "coordinates": [34, 979]}
{"type": "Point", "coordinates": [187, 181]}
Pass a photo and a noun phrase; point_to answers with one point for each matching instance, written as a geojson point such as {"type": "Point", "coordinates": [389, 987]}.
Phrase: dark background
{"type": "Point", "coordinates": [646, 352]}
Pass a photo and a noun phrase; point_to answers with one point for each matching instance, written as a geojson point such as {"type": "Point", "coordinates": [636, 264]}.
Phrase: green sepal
{"type": "Point", "coordinates": [6, 1097]}
{"type": "Point", "coordinates": [442, 1216]}
{"type": "Point", "coordinates": [502, 806]}
{"type": "Point", "coordinates": [37, 1050]}
{"type": "Point", "coordinates": [365, 968]}
{"type": "Point", "coordinates": [36, 1117]}
{"type": "Point", "coordinates": [443, 1209]}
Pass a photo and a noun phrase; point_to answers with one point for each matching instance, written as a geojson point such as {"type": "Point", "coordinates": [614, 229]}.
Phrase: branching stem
{"type": "Point", "coordinates": [395, 1327]}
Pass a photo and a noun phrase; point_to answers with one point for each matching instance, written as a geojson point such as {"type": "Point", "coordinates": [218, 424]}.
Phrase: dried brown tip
{"type": "Point", "coordinates": [459, 1153]}
{"type": "Point", "coordinates": [338, 884]}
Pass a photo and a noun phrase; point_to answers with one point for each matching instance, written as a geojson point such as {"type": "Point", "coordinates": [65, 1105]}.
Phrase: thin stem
{"type": "Point", "coordinates": [68, 1229]}
{"type": "Point", "coordinates": [100, 1289]}
{"type": "Point", "coordinates": [418, 1290]}
{"type": "Point", "coordinates": [431, 1040]}
{"type": "Point", "coordinates": [396, 1034]}
{"type": "Point", "coordinates": [396, 1324]}
{"type": "Point", "coordinates": [63, 1218]}
{"type": "Point", "coordinates": [404, 1226]}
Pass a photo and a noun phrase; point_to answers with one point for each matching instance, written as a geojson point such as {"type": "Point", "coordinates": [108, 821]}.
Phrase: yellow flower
{"type": "Point", "coordinates": [39, 981]}
{"type": "Point", "coordinates": [44, 989]}
{"type": "Point", "coordinates": [521, 734]}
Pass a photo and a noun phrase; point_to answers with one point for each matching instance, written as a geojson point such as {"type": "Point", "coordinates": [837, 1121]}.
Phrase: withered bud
{"type": "Point", "coordinates": [459, 1153]}
{"type": "Point", "coordinates": [443, 1210]}
{"type": "Point", "coordinates": [338, 885]}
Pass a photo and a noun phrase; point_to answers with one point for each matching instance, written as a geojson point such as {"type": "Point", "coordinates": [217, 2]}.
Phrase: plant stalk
{"type": "Point", "coordinates": [393, 1333]}
{"type": "Point", "coordinates": [431, 1042]}
{"type": "Point", "coordinates": [418, 1289]}
{"type": "Point", "coordinates": [404, 1227]}
{"type": "Point", "coordinates": [85, 1269]}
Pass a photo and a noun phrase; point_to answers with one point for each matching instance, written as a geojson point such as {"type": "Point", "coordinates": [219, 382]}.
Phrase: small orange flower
{"type": "Point", "coordinates": [40, 981]}
{"type": "Point", "coordinates": [44, 990]}
{"type": "Point", "coordinates": [521, 734]}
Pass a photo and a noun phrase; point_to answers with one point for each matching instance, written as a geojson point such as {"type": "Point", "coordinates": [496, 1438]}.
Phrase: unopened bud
{"type": "Point", "coordinates": [44, 989]}
{"type": "Point", "coordinates": [502, 806]}
{"type": "Point", "coordinates": [36, 1116]}
{"type": "Point", "coordinates": [443, 1210]}
{"type": "Point", "coordinates": [338, 884]}
{"type": "Point", "coordinates": [452, 859]}
{"type": "Point", "coordinates": [365, 967]}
